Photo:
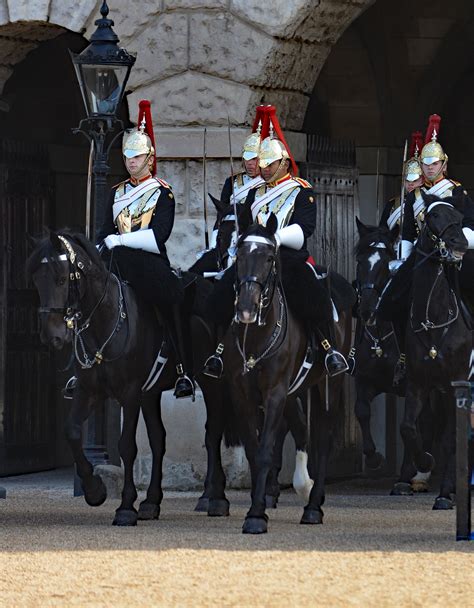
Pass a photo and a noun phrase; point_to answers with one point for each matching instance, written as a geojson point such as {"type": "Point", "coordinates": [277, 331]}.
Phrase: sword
{"type": "Point", "coordinates": [88, 192]}
{"type": "Point", "coordinates": [204, 189]}
{"type": "Point", "coordinates": [232, 179]}
{"type": "Point", "coordinates": [402, 196]}
{"type": "Point", "coordinates": [377, 179]}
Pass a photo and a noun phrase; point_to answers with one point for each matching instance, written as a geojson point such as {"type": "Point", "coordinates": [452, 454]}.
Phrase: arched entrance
{"type": "Point", "coordinates": [43, 169]}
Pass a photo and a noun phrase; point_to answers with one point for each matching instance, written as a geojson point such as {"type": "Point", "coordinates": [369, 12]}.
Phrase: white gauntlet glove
{"type": "Point", "coordinates": [291, 236]}
{"type": "Point", "coordinates": [469, 234]}
{"type": "Point", "coordinates": [142, 239]}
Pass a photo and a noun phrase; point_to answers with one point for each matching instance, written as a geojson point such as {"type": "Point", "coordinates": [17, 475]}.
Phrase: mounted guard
{"type": "Point", "coordinates": [139, 221]}
{"type": "Point", "coordinates": [395, 303]}
{"type": "Point", "coordinates": [292, 200]}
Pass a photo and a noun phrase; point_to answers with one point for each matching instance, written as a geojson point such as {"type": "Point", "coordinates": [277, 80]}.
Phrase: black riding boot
{"type": "Point", "coordinates": [184, 386]}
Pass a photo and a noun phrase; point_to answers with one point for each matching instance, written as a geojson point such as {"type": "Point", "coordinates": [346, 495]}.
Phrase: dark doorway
{"type": "Point", "coordinates": [43, 177]}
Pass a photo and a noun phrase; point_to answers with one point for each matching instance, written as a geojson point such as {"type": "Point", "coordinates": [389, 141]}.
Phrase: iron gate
{"type": "Point", "coordinates": [331, 169]}
{"type": "Point", "coordinates": [27, 403]}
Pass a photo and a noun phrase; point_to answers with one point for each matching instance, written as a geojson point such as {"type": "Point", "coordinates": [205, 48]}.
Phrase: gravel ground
{"type": "Point", "coordinates": [373, 550]}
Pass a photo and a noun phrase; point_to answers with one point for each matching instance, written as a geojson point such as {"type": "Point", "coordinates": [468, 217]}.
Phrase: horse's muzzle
{"type": "Point", "coordinates": [245, 316]}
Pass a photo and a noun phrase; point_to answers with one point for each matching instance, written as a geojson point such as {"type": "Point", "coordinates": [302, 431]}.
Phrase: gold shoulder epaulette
{"type": "Point", "coordinates": [163, 183]}
{"type": "Point", "coordinates": [453, 181]}
{"type": "Point", "coordinates": [303, 182]}
{"type": "Point", "coordinates": [261, 190]}
{"type": "Point", "coordinates": [121, 183]}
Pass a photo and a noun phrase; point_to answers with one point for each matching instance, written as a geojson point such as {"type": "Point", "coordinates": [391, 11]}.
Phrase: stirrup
{"type": "Point", "coordinates": [68, 390]}
{"type": "Point", "coordinates": [334, 361]}
{"type": "Point", "coordinates": [214, 365]}
{"type": "Point", "coordinates": [184, 386]}
{"type": "Point", "coordinates": [351, 362]}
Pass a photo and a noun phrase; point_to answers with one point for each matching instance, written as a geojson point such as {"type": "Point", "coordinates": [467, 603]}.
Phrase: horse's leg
{"type": "Point", "coordinates": [95, 491]}
{"type": "Point", "coordinates": [151, 408]}
{"type": "Point", "coordinates": [420, 481]}
{"type": "Point", "coordinates": [423, 461]}
{"type": "Point", "coordinates": [272, 492]}
{"type": "Point", "coordinates": [365, 395]}
{"type": "Point", "coordinates": [256, 518]}
{"type": "Point", "coordinates": [322, 423]}
{"type": "Point", "coordinates": [126, 514]}
{"type": "Point", "coordinates": [214, 489]}
{"type": "Point", "coordinates": [302, 482]}
{"type": "Point", "coordinates": [444, 500]}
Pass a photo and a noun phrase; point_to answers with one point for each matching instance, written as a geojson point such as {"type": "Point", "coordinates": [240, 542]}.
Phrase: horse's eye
{"type": "Point", "coordinates": [435, 215]}
{"type": "Point", "coordinates": [61, 281]}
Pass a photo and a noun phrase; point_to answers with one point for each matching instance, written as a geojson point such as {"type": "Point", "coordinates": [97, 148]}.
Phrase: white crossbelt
{"type": "Point", "coordinates": [241, 193]}
{"type": "Point", "coordinates": [272, 194]}
{"type": "Point", "coordinates": [128, 198]}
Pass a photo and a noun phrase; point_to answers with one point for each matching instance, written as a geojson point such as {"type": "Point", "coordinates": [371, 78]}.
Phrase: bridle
{"type": "Point", "coordinates": [71, 310]}
{"type": "Point", "coordinates": [268, 287]}
{"type": "Point", "coordinates": [360, 287]}
{"type": "Point", "coordinates": [439, 252]}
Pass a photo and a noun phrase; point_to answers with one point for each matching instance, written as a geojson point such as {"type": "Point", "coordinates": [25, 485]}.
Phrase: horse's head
{"type": "Point", "coordinates": [443, 228]}
{"type": "Point", "coordinates": [374, 251]}
{"type": "Point", "coordinates": [256, 264]}
{"type": "Point", "coordinates": [57, 267]}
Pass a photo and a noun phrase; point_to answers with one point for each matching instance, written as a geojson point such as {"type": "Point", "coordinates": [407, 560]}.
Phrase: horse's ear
{"type": "Point", "coordinates": [218, 204]}
{"type": "Point", "coordinates": [394, 232]}
{"type": "Point", "coordinates": [55, 242]}
{"type": "Point", "coordinates": [272, 224]}
{"type": "Point", "coordinates": [361, 228]}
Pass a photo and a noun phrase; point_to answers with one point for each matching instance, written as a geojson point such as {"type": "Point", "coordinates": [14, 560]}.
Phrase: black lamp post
{"type": "Point", "coordinates": [102, 70]}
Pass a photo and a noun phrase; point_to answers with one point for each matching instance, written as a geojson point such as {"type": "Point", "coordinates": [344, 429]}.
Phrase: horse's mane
{"type": "Point", "coordinates": [375, 234]}
{"type": "Point", "coordinates": [458, 201]}
{"type": "Point", "coordinates": [44, 248]}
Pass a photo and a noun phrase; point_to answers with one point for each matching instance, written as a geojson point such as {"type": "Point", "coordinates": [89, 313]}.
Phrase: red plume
{"type": "Point", "coordinates": [416, 143]}
{"type": "Point", "coordinates": [433, 123]}
{"type": "Point", "coordinates": [259, 112]}
{"type": "Point", "coordinates": [265, 132]}
{"type": "Point", "coordinates": [271, 111]}
{"type": "Point", "coordinates": [144, 111]}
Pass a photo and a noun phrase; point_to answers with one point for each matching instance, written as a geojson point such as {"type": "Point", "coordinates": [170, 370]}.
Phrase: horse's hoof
{"type": "Point", "coordinates": [443, 504]}
{"type": "Point", "coordinates": [148, 510]}
{"type": "Point", "coordinates": [271, 502]}
{"type": "Point", "coordinates": [401, 488]}
{"type": "Point", "coordinates": [95, 492]}
{"type": "Point", "coordinates": [375, 462]}
{"type": "Point", "coordinates": [125, 517]}
{"type": "Point", "coordinates": [255, 525]}
{"type": "Point", "coordinates": [218, 507]}
{"type": "Point", "coordinates": [202, 505]}
{"type": "Point", "coordinates": [312, 516]}
{"type": "Point", "coordinates": [418, 486]}
{"type": "Point", "coordinates": [426, 463]}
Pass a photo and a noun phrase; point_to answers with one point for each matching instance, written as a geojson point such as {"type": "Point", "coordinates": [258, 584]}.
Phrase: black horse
{"type": "Point", "coordinates": [120, 352]}
{"type": "Point", "coordinates": [438, 339]}
{"type": "Point", "coordinates": [376, 346]}
{"type": "Point", "coordinates": [222, 422]}
{"type": "Point", "coordinates": [264, 352]}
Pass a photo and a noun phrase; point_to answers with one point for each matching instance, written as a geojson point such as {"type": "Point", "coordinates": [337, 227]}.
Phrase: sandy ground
{"type": "Point", "coordinates": [373, 550]}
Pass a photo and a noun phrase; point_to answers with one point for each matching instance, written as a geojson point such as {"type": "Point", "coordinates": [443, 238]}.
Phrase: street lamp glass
{"type": "Point", "coordinates": [102, 87]}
